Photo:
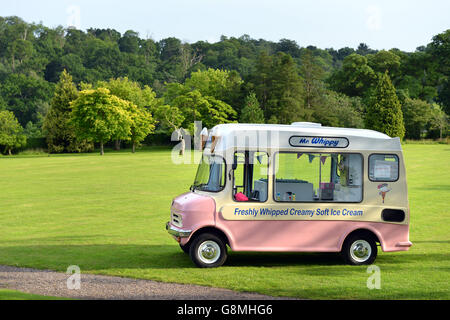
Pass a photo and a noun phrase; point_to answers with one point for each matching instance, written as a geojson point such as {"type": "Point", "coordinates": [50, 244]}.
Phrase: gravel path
{"type": "Point", "coordinates": [50, 283]}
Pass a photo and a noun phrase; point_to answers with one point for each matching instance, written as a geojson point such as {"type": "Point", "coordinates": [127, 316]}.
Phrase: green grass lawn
{"type": "Point", "coordinates": [17, 295]}
{"type": "Point", "coordinates": [108, 214]}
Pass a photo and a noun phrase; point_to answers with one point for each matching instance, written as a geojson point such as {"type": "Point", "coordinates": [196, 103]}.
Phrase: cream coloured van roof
{"type": "Point", "coordinates": [235, 135]}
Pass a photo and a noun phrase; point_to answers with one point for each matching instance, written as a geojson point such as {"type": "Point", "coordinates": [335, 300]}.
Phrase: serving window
{"type": "Point", "coordinates": [318, 177]}
{"type": "Point", "coordinates": [250, 183]}
{"type": "Point", "coordinates": [383, 167]}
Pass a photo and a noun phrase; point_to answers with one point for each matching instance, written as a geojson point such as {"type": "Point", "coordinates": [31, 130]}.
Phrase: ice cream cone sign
{"type": "Point", "coordinates": [384, 188]}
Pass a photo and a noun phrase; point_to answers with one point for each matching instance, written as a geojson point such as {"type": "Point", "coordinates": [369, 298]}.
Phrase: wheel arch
{"type": "Point", "coordinates": [210, 229]}
{"type": "Point", "coordinates": [362, 231]}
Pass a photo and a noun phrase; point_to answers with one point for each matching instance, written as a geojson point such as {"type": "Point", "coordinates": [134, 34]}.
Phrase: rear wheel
{"type": "Point", "coordinates": [208, 251]}
{"type": "Point", "coordinates": [359, 249]}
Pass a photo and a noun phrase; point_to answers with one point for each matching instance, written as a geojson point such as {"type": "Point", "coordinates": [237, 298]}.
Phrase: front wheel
{"type": "Point", "coordinates": [185, 248]}
{"type": "Point", "coordinates": [359, 250]}
{"type": "Point", "coordinates": [208, 251]}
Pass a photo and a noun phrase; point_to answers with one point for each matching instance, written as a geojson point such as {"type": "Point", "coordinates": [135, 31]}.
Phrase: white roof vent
{"type": "Point", "coordinates": [307, 124]}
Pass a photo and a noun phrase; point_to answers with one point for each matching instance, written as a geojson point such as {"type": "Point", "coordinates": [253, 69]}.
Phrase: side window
{"type": "Point", "coordinates": [383, 167]}
{"type": "Point", "coordinates": [318, 177]}
{"type": "Point", "coordinates": [250, 176]}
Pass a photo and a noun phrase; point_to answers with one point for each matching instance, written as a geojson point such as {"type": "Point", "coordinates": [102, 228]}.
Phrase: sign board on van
{"type": "Point", "coordinates": [318, 142]}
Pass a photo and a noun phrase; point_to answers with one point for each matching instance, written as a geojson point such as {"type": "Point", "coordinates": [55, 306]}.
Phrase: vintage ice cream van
{"type": "Point", "coordinates": [298, 188]}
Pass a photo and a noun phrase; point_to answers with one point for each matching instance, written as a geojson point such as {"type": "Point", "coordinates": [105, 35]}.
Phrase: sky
{"type": "Point", "coordinates": [385, 24]}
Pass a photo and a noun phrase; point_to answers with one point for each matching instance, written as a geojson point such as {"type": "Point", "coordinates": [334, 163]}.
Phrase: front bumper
{"type": "Point", "coordinates": [178, 232]}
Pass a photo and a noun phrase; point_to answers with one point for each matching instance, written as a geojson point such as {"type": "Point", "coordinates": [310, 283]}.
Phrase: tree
{"type": "Point", "coordinates": [196, 107]}
{"type": "Point", "coordinates": [384, 111]}
{"type": "Point", "coordinates": [288, 46]}
{"type": "Point", "coordinates": [279, 89]}
{"type": "Point", "coordinates": [286, 100]}
{"type": "Point", "coordinates": [143, 102]}
{"type": "Point", "coordinates": [19, 51]}
{"type": "Point", "coordinates": [363, 49]}
{"type": "Point", "coordinates": [99, 116]}
{"type": "Point", "coordinates": [220, 84]}
{"type": "Point", "coordinates": [384, 60]}
{"type": "Point", "coordinates": [203, 97]}
{"type": "Point", "coordinates": [439, 49]}
{"type": "Point", "coordinates": [261, 80]}
{"type": "Point", "coordinates": [416, 114]}
{"type": "Point", "coordinates": [171, 66]}
{"type": "Point", "coordinates": [25, 95]}
{"type": "Point", "coordinates": [129, 42]}
{"type": "Point", "coordinates": [170, 118]}
{"type": "Point", "coordinates": [312, 75]}
{"type": "Point", "coordinates": [11, 132]}
{"type": "Point", "coordinates": [251, 113]}
{"type": "Point", "coordinates": [142, 124]}
{"type": "Point", "coordinates": [438, 120]}
{"type": "Point", "coordinates": [338, 110]}
{"type": "Point", "coordinates": [60, 135]}
{"type": "Point", "coordinates": [189, 58]}
{"type": "Point", "coordinates": [355, 78]}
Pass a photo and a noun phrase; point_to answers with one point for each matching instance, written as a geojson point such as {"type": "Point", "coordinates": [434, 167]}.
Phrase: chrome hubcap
{"type": "Point", "coordinates": [208, 252]}
{"type": "Point", "coordinates": [360, 250]}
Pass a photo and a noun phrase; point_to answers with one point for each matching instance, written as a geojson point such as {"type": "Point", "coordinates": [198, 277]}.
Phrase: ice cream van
{"type": "Point", "coordinates": [297, 188]}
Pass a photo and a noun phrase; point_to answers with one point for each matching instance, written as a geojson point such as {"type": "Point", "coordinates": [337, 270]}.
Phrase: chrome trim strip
{"type": "Point", "coordinates": [177, 232]}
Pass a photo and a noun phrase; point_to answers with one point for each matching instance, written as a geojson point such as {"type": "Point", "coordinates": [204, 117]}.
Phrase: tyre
{"type": "Point", "coordinates": [359, 249]}
{"type": "Point", "coordinates": [185, 248]}
{"type": "Point", "coordinates": [208, 251]}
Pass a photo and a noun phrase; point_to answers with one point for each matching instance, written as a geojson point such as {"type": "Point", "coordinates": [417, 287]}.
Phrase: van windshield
{"type": "Point", "coordinates": [210, 174]}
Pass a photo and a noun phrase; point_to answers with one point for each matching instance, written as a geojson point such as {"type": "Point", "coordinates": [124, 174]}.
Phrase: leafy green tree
{"type": "Point", "coordinates": [419, 75]}
{"type": "Point", "coordinates": [363, 49]}
{"type": "Point", "coordinates": [251, 113]}
{"type": "Point", "coordinates": [416, 114]}
{"type": "Point", "coordinates": [99, 116]}
{"type": "Point", "coordinates": [286, 100]}
{"type": "Point", "coordinates": [142, 124]}
{"type": "Point", "coordinates": [196, 107]}
{"type": "Point", "coordinates": [129, 42]}
{"type": "Point", "coordinates": [60, 134]}
{"type": "Point", "coordinates": [25, 96]}
{"type": "Point", "coordinates": [438, 121]}
{"type": "Point", "coordinates": [439, 49]}
{"type": "Point", "coordinates": [384, 111]}
{"type": "Point", "coordinates": [279, 89]}
{"type": "Point", "coordinates": [355, 78]}
{"type": "Point", "coordinates": [143, 102]}
{"type": "Point", "coordinates": [261, 80]}
{"type": "Point", "coordinates": [170, 118]}
{"type": "Point", "coordinates": [313, 75]}
{"type": "Point", "coordinates": [338, 110]}
{"type": "Point", "coordinates": [171, 67]}
{"type": "Point", "coordinates": [126, 89]}
{"type": "Point", "coordinates": [11, 132]}
{"type": "Point", "coordinates": [385, 60]}
{"type": "Point", "coordinates": [289, 47]}
{"type": "Point", "coordinates": [200, 98]}
{"type": "Point", "coordinates": [219, 84]}
{"type": "Point", "coordinates": [19, 51]}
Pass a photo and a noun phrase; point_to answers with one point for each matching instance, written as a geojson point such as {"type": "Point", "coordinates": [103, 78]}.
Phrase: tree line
{"type": "Point", "coordinates": [74, 88]}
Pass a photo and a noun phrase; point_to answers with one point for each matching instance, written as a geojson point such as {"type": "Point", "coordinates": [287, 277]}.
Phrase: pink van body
{"type": "Point", "coordinates": [198, 212]}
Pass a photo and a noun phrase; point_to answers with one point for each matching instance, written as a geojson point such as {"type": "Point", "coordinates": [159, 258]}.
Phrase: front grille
{"type": "Point", "coordinates": [177, 220]}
